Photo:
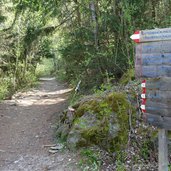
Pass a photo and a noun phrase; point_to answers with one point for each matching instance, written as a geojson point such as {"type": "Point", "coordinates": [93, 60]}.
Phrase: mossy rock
{"type": "Point", "coordinates": [92, 105]}
{"type": "Point", "coordinates": [88, 130]}
{"type": "Point", "coordinates": [63, 131]}
{"type": "Point", "coordinates": [75, 139]}
{"type": "Point", "coordinates": [117, 101]}
{"type": "Point", "coordinates": [82, 126]}
{"type": "Point", "coordinates": [104, 122]}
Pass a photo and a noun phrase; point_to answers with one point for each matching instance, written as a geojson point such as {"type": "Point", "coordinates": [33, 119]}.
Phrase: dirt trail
{"type": "Point", "coordinates": [27, 124]}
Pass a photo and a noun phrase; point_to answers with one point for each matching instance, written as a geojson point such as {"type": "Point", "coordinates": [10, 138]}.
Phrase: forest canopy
{"type": "Point", "coordinates": [88, 40]}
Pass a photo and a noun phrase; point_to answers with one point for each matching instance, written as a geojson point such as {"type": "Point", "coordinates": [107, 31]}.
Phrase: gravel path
{"type": "Point", "coordinates": [27, 126]}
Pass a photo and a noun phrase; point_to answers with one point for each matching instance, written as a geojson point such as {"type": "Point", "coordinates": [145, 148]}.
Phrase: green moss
{"type": "Point", "coordinates": [115, 105]}
{"type": "Point", "coordinates": [90, 106]}
{"type": "Point", "coordinates": [97, 133]}
{"type": "Point", "coordinates": [81, 110]}
{"type": "Point", "coordinates": [117, 100]}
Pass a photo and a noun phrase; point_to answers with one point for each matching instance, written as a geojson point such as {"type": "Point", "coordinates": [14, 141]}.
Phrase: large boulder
{"type": "Point", "coordinates": [102, 121]}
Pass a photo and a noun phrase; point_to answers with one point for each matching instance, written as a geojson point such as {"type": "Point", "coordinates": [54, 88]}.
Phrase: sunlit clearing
{"type": "Point", "coordinates": [37, 97]}
{"type": "Point", "coordinates": [39, 102]}
{"type": "Point", "coordinates": [43, 93]}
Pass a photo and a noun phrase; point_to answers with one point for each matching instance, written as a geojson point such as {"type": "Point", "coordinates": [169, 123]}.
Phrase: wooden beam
{"type": "Point", "coordinates": [153, 71]}
{"type": "Point", "coordinates": [158, 121]}
{"type": "Point", "coordinates": [162, 83]}
{"type": "Point", "coordinates": [163, 150]}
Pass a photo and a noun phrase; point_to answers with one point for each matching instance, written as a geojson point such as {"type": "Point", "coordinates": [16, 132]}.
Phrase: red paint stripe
{"type": "Point", "coordinates": [137, 32]}
{"type": "Point", "coordinates": [136, 40]}
{"type": "Point", "coordinates": [144, 111]}
{"type": "Point", "coordinates": [144, 81]}
{"type": "Point", "coordinates": [143, 101]}
{"type": "Point", "coordinates": [144, 91]}
{"type": "Point", "coordinates": [134, 36]}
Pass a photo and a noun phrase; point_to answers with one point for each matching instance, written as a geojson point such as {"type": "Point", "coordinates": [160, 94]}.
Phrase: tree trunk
{"type": "Point", "coordinates": [78, 12]}
{"type": "Point", "coordinates": [95, 23]}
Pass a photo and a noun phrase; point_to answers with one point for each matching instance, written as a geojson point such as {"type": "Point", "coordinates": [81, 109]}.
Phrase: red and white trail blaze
{"type": "Point", "coordinates": [143, 96]}
{"type": "Point", "coordinates": [136, 37]}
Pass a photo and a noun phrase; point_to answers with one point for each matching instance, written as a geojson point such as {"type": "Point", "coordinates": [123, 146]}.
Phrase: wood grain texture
{"type": "Point", "coordinates": [158, 121]}
{"type": "Point", "coordinates": [153, 71]}
{"type": "Point", "coordinates": [158, 107]}
{"type": "Point", "coordinates": [153, 47]}
{"type": "Point", "coordinates": [138, 71]}
{"type": "Point", "coordinates": [158, 111]}
{"type": "Point", "coordinates": [162, 84]}
{"type": "Point", "coordinates": [163, 150]}
{"type": "Point", "coordinates": [153, 59]}
{"type": "Point", "coordinates": [158, 95]}
{"type": "Point", "coordinates": [157, 31]}
{"type": "Point", "coordinates": [153, 63]}
{"type": "Point", "coordinates": [155, 35]}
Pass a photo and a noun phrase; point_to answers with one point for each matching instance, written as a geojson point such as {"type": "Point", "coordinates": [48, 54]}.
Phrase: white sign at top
{"type": "Point", "coordinates": [152, 35]}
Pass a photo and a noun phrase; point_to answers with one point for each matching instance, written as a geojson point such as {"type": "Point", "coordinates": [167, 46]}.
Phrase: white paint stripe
{"type": "Point", "coordinates": [135, 36]}
{"type": "Point", "coordinates": [143, 85]}
{"type": "Point", "coordinates": [143, 107]}
{"type": "Point", "coordinates": [143, 96]}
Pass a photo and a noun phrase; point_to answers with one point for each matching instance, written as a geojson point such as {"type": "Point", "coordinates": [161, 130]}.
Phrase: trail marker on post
{"type": "Point", "coordinates": [163, 150]}
{"type": "Point", "coordinates": [153, 63]}
{"type": "Point", "coordinates": [136, 36]}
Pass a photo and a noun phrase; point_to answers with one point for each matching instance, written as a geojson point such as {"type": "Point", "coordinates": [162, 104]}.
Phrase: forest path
{"type": "Point", "coordinates": [27, 126]}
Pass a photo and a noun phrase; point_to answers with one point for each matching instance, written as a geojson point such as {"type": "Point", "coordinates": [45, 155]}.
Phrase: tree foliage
{"type": "Point", "coordinates": [88, 39]}
{"type": "Point", "coordinates": [95, 42]}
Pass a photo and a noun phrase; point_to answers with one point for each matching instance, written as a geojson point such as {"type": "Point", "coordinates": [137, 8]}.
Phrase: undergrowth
{"type": "Point", "coordinates": [5, 86]}
{"type": "Point", "coordinates": [45, 67]}
{"type": "Point", "coordinates": [90, 160]}
{"type": "Point", "coordinates": [9, 85]}
{"type": "Point", "coordinates": [30, 80]}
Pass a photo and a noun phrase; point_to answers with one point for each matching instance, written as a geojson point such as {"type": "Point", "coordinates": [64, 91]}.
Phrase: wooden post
{"type": "Point", "coordinates": [163, 150]}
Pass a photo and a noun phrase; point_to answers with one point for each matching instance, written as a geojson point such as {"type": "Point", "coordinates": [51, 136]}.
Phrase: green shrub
{"type": "Point", "coordinates": [45, 68]}
{"type": "Point", "coordinates": [127, 76]}
{"type": "Point", "coordinates": [5, 88]}
{"type": "Point", "coordinates": [30, 79]}
{"type": "Point", "coordinates": [90, 160]}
